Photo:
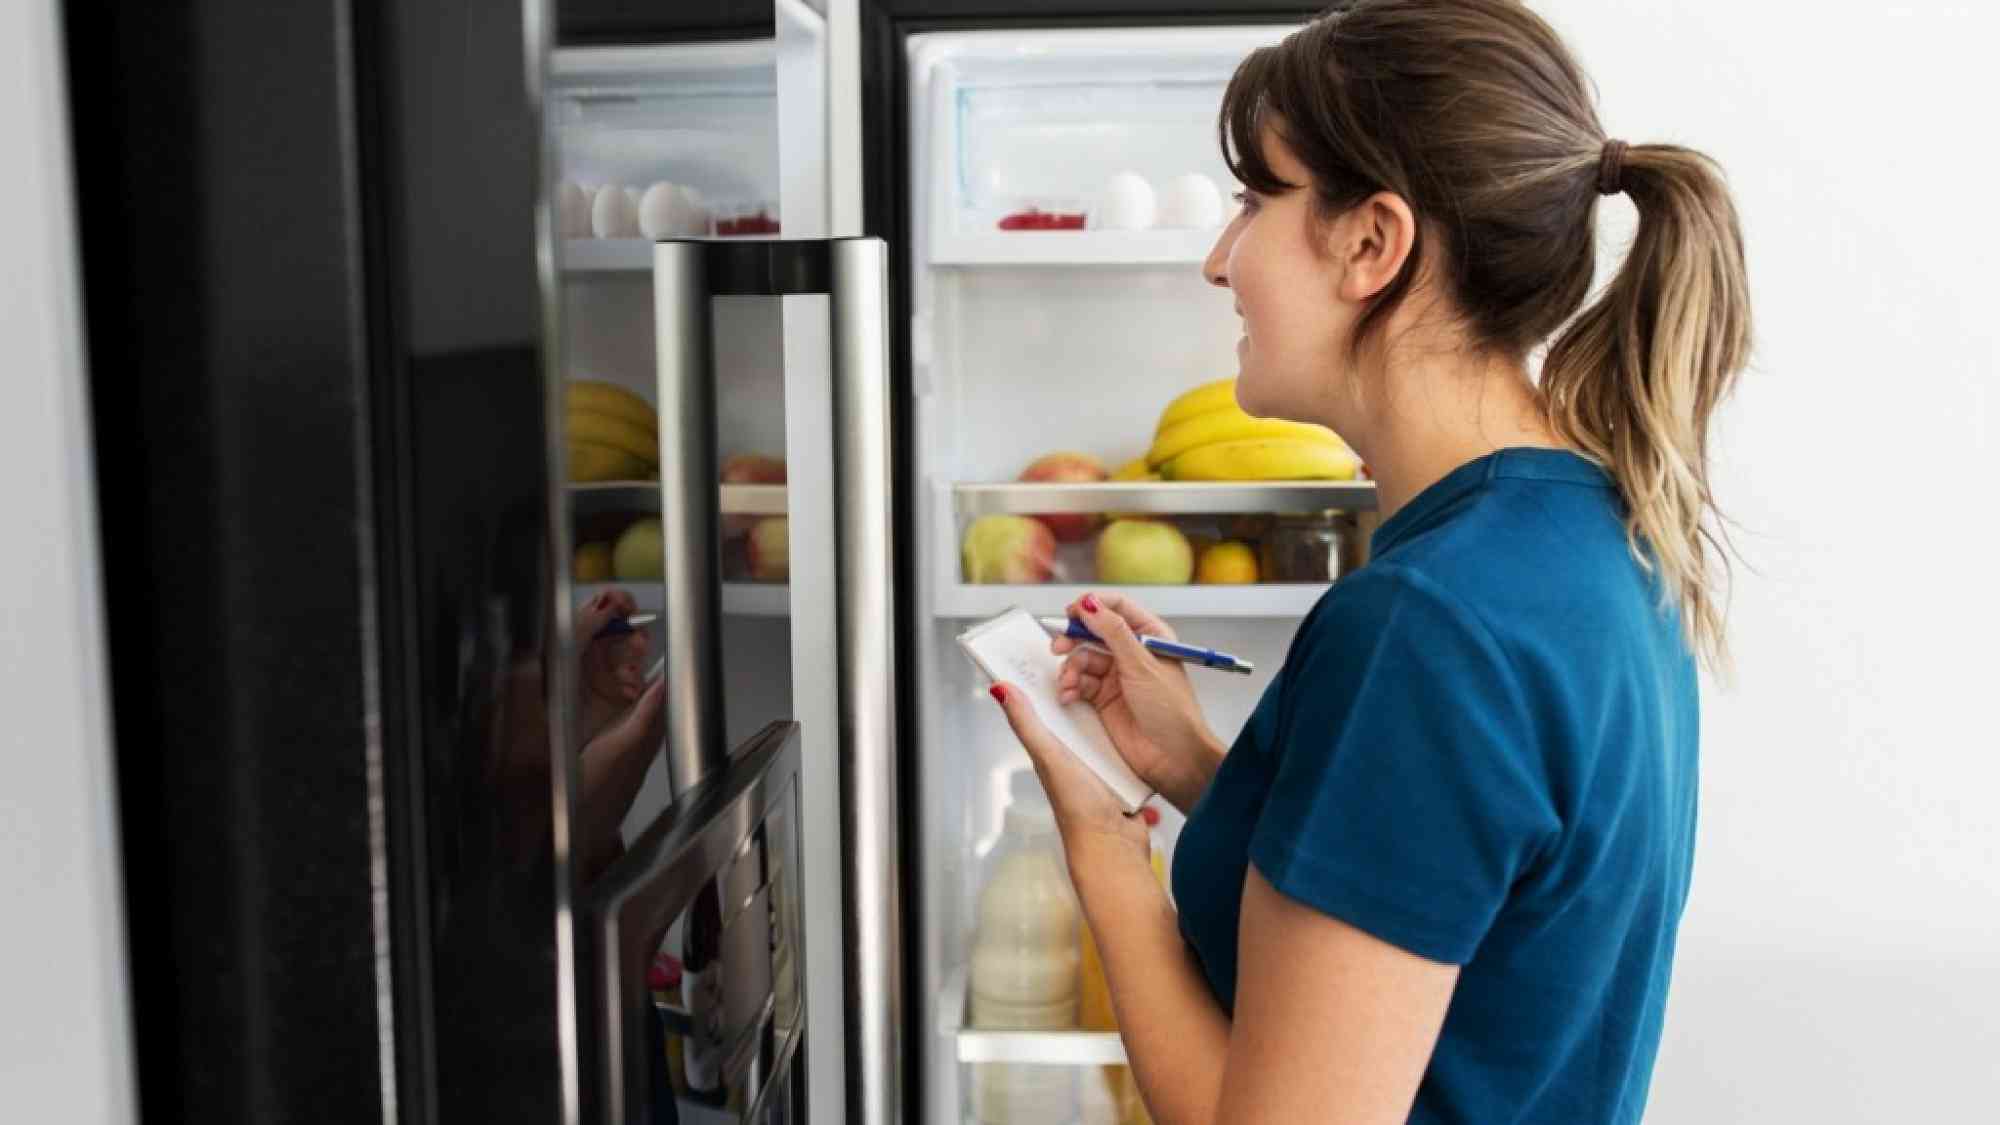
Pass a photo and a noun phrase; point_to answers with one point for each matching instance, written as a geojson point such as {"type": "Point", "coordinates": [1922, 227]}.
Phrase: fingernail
{"type": "Point", "coordinates": [998, 693]}
{"type": "Point", "coordinates": [1089, 604]}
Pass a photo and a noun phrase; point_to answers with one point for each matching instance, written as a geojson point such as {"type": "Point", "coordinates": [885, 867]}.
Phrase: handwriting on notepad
{"type": "Point", "coordinates": [1026, 667]}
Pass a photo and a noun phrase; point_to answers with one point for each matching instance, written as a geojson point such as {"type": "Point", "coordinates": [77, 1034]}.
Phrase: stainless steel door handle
{"type": "Point", "coordinates": [865, 512]}
{"type": "Point", "coordinates": [689, 519]}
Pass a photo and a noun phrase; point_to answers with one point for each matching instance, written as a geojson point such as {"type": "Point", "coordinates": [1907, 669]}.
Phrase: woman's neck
{"type": "Point", "coordinates": [1443, 413]}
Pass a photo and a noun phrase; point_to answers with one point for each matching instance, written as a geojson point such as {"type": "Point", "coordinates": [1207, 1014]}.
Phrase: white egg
{"type": "Point", "coordinates": [572, 211]}
{"type": "Point", "coordinates": [668, 210]}
{"type": "Point", "coordinates": [698, 219]}
{"type": "Point", "coordinates": [1191, 202]}
{"type": "Point", "coordinates": [1124, 203]}
{"type": "Point", "coordinates": [614, 214]}
{"type": "Point", "coordinates": [659, 210]}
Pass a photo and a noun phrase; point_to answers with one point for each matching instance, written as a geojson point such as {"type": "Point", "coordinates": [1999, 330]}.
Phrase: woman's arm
{"type": "Point", "coordinates": [1332, 1024]}
{"type": "Point", "coordinates": [1176, 1035]}
{"type": "Point", "coordinates": [609, 773]}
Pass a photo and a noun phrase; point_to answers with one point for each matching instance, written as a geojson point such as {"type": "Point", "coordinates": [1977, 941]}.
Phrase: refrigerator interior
{"type": "Point", "coordinates": [1032, 341]}
{"type": "Point", "coordinates": [703, 117]}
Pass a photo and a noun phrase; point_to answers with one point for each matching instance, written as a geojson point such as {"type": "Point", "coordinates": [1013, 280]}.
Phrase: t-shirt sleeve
{"type": "Point", "coordinates": [1409, 793]}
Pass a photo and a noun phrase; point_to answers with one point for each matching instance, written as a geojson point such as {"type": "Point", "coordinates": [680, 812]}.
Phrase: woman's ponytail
{"type": "Point", "coordinates": [1634, 378]}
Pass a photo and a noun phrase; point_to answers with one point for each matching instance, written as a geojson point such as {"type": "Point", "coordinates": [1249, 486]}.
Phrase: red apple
{"type": "Point", "coordinates": [770, 550]}
{"type": "Point", "coordinates": [1069, 527]}
{"type": "Point", "coordinates": [753, 468]}
{"type": "Point", "coordinates": [748, 468]}
{"type": "Point", "coordinates": [1008, 549]}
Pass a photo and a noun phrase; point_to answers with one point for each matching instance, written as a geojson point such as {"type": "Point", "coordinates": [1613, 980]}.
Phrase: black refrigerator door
{"type": "Point", "coordinates": [317, 337]}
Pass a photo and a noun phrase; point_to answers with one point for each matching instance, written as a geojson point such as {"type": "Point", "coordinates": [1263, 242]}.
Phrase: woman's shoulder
{"type": "Point", "coordinates": [1521, 552]}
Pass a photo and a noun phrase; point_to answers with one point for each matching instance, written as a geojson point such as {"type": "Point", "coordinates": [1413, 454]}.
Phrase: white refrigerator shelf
{"type": "Point", "coordinates": [1060, 1048]}
{"type": "Point", "coordinates": [739, 599]}
{"type": "Point", "coordinates": [969, 602]}
{"type": "Point", "coordinates": [1074, 248]}
{"type": "Point", "coordinates": [642, 497]}
{"type": "Point", "coordinates": [1165, 498]}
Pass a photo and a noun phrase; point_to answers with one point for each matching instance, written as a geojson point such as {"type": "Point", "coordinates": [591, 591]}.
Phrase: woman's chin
{"type": "Point", "coordinates": [1249, 394]}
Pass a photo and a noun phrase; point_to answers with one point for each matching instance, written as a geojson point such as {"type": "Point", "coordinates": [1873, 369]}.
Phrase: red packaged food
{"type": "Point", "coordinates": [1036, 219]}
{"type": "Point", "coordinates": [759, 223]}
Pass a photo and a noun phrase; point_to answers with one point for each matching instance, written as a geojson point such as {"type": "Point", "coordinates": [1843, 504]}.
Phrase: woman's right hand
{"type": "Point", "coordinates": [1147, 704]}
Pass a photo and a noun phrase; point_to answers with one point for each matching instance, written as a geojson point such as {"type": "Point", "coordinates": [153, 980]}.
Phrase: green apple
{"type": "Point", "coordinates": [640, 552]}
{"type": "Point", "coordinates": [1144, 553]}
{"type": "Point", "coordinates": [769, 550]}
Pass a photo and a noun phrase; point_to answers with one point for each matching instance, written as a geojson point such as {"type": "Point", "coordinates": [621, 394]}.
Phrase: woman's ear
{"type": "Point", "coordinates": [1373, 240]}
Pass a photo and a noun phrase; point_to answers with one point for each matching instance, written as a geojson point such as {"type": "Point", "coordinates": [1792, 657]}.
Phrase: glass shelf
{"type": "Point", "coordinates": [1164, 498]}
{"type": "Point", "coordinates": [739, 599]}
{"type": "Point", "coordinates": [1058, 1048]}
{"type": "Point", "coordinates": [642, 497]}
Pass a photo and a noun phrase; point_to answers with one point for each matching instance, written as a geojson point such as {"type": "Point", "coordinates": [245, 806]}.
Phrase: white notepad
{"type": "Point", "coordinates": [1014, 647]}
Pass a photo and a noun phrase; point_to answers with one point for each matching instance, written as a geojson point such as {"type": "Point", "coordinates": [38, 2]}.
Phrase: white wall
{"type": "Point", "coordinates": [64, 1030]}
{"type": "Point", "coordinates": [1840, 960]}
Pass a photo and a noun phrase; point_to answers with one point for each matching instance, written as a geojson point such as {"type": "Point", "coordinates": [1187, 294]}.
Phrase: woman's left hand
{"type": "Point", "coordinates": [1094, 826]}
{"type": "Point", "coordinates": [613, 675]}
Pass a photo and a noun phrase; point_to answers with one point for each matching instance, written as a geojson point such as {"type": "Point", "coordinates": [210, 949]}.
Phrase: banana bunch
{"type": "Point", "coordinates": [613, 434]}
{"type": "Point", "coordinates": [1204, 435]}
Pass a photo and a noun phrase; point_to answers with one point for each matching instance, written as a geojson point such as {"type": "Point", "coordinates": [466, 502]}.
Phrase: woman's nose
{"type": "Point", "coordinates": [1216, 266]}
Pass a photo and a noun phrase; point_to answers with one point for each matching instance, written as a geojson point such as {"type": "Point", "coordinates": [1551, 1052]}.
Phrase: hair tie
{"type": "Point", "coordinates": [1611, 168]}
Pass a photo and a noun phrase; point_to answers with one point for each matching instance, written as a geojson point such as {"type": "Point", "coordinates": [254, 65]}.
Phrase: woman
{"type": "Point", "coordinates": [1438, 875]}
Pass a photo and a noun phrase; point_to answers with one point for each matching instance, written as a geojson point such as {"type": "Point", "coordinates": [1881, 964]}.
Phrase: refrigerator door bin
{"type": "Point", "coordinates": [721, 838]}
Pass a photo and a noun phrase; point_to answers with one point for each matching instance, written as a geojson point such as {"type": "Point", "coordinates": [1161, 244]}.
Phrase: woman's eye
{"type": "Point", "coordinates": [1246, 201]}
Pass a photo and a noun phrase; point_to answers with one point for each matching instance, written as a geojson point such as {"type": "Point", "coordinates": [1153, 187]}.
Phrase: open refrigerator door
{"type": "Point", "coordinates": [711, 376]}
{"type": "Point", "coordinates": [1066, 188]}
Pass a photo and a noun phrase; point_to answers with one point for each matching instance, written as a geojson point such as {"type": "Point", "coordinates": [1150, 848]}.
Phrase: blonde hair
{"type": "Point", "coordinates": [1477, 115]}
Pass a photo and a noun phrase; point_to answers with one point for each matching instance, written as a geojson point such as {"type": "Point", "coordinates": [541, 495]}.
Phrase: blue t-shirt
{"type": "Point", "coordinates": [1481, 749]}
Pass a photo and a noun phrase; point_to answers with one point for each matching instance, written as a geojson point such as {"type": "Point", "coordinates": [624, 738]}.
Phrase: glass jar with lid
{"type": "Point", "coordinates": [1306, 547]}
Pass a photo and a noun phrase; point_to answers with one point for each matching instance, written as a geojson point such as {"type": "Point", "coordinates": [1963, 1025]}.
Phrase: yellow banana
{"type": "Point", "coordinates": [589, 461]}
{"type": "Point", "coordinates": [618, 433]}
{"type": "Point", "coordinates": [1230, 424]}
{"type": "Point", "coordinates": [612, 399]}
{"type": "Point", "coordinates": [1201, 400]}
{"type": "Point", "coordinates": [1133, 470]}
{"type": "Point", "coordinates": [1264, 459]}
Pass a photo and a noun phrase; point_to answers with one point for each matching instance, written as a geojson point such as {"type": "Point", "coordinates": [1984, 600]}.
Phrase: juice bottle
{"type": "Point", "coordinates": [1024, 962]}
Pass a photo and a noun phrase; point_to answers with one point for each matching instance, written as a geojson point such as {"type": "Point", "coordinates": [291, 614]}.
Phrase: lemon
{"type": "Point", "coordinates": [1228, 563]}
{"type": "Point", "coordinates": [593, 563]}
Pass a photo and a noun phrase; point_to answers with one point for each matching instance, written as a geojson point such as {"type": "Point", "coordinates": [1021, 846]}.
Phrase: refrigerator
{"type": "Point", "coordinates": [357, 298]}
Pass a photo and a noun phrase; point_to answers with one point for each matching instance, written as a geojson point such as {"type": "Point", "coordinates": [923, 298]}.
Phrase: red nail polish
{"type": "Point", "coordinates": [1089, 604]}
{"type": "Point", "coordinates": [998, 693]}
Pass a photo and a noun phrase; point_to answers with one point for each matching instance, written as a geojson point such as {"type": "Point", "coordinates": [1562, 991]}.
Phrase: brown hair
{"type": "Point", "coordinates": [1475, 114]}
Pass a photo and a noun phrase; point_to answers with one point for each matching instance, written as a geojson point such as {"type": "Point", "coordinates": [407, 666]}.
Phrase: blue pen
{"type": "Point", "coordinates": [619, 626]}
{"type": "Point", "coordinates": [1171, 650]}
